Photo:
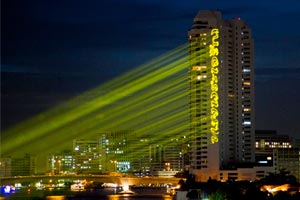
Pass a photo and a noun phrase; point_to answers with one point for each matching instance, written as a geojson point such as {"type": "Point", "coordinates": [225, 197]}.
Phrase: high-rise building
{"type": "Point", "coordinates": [221, 94]}
{"type": "Point", "coordinates": [5, 166]}
{"type": "Point", "coordinates": [118, 151]}
{"type": "Point", "coordinates": [169, 156]}
{"type": "Point", "coordinates": [23, 166]}
{"type": "Point", "coordinates": [87, 156]}
{"type": "Point", "coordinates": [61, 163]}
{"type": "Point", "coordinates": [18, 166]}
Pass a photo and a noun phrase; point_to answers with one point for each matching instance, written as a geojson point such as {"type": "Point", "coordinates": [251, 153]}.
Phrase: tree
{"type": "Point", "coordinates": [283, 177]}
{"type": "Point", "coordinates": [182, 184]}
{"type": "Point", "coordinates": [218, 195]}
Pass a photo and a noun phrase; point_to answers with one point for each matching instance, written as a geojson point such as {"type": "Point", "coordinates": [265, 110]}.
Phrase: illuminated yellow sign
{"type": "Point", "coordinates": [214, 104]}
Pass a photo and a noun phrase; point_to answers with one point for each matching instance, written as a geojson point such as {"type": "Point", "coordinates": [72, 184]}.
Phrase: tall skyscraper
{"type": "Point", "coordinates": [221, 94]}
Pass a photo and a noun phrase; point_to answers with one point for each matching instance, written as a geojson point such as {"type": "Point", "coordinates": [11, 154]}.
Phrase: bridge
{"type": "Point", "coordinates": [120, 180]}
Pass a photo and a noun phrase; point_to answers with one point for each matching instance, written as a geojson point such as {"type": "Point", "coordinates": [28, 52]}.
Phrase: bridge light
{"type": "Point", "coordinates": [125, 187]}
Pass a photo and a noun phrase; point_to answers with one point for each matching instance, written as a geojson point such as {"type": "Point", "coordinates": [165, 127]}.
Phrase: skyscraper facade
{"type": "Point", "coordinates": [221, 94]}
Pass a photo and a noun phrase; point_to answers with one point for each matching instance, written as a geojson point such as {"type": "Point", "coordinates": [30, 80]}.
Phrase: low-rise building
{"type": "Point", "coordinates": [287, 159]}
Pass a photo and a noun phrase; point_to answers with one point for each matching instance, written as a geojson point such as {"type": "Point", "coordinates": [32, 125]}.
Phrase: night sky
{"type": "Point", "coordinates": [52, 50]}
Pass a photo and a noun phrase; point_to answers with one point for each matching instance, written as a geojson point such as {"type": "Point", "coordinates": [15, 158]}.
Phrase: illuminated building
{"type": "Point", "coordinates": [221, 94]}
{"type": "Point", "coordinates": [114, 151]}
{"type": "Point", "coordinates": [276, 150]}
{"type": "Point", "coordinates": [173, 155]}
{"type": "Point", "coordinates": [117, 151]}
{"type": "Point", "coordinates": [265, 142]}
{"type": "Point", "coordinates": [268, 140]}
{"type": "Point", "coordinates": [168, 157]}
{"type": "Point", "coordinates": [62, 163]}
{"type": "Point", "coordinates": [124, 151]}
{"type": "Point", "coordinates": [87, 156]}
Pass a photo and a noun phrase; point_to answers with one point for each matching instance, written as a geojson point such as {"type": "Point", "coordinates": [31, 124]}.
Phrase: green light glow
{"type": "Point", "coordinates": [151, 100]}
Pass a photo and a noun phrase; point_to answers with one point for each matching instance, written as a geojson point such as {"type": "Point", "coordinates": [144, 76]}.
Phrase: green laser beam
{"type": "Point", "coordinates": [151, 99]}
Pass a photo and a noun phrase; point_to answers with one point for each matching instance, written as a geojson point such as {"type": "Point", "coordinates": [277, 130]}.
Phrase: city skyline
{"type": "Point", "coordinates": [54, 51]}
{"type": "Point", "coordinates": [151, 100]}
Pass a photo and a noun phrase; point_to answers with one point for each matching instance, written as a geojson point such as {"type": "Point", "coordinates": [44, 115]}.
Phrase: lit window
{"type": "Point", "coordinates": [263, 162]}
{"type": "Point", "coordinates": [198, 68]}
{"type": "Point", "coordinates": [246, 70]}
{"type": "Point", "coordinates": [247, 109]}
{"type": "Point", "coordinates": [247, 83]}
{"type": "Point", "coordinates": [200, 77]}
{"type": "Point", "coordinates": [246, 123]}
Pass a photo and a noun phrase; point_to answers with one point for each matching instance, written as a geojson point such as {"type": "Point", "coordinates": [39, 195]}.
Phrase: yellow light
{"type": "Point", "coordinates": [198, 68]}
{"type": "Point", "coordinates": [214, 104]}
{"type": "Point", "coordinates": [151, 99]}
{"type": "Point", "coordinates": [125, 187]}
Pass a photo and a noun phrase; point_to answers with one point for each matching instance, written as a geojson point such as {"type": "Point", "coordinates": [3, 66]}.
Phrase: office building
{"type": "Point", "coordinates": [61, 163]}
{"type": "Point", "coordinates": [269, 139]}
{"type": "Point", "coordinates": [265, 143]}
{"type": "Point", "coordinates": [87, 156]}
{"type": "Point", "coordinates": [23, 166]}
{"type": "Point", "coordinates": [5, 166]}
{"type": "Point", "coordinates": [118, 151]}
{"type": "Point", "coordinates": [277, 150]}
{"type": "Point", "coordinates": [168, 159]}
{"type": "Point", "coordinates": [18, 166]}
{"type": "Point", "coordinates": [287, 159]}
{"type": "Point", "coordinates": [123, 151]}
{"type": "Point", "coordinates": [221, 94]}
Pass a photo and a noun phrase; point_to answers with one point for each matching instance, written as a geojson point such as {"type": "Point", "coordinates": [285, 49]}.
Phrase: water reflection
{"type": "Point", "coordinates": [133, 197]}
{"type": "Point", "coordinates": [133, 193]}
{"type": "Point", "coordinates": [55, 197]}
{"type": "Point", "coordinates": [113, 197]}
